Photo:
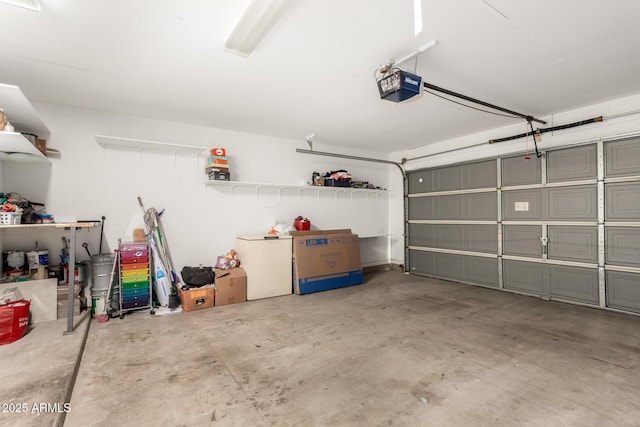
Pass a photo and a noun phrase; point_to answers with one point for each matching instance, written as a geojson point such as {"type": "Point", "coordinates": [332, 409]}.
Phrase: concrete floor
{"type": "Point", "coordinates": [37, 372]}
{"type": "Point", "coordinates": [398, 350]}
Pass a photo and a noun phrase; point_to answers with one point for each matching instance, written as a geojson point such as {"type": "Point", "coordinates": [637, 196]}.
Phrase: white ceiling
{"type": "Point", "coordinates": [314, 72]}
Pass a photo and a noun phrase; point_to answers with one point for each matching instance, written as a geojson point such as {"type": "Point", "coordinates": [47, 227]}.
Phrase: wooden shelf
{"type": "Point", "coordinates": [51, 225]}
{"type": "Point", "coordinates": [140, 144]}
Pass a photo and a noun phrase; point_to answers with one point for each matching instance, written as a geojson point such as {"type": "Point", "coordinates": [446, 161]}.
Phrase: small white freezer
{"type": "Point", "coordinates": [267, 260]}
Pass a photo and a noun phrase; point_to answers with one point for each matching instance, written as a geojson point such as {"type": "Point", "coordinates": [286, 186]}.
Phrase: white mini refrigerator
{"type": "Point", "coordinates": [268, 264]}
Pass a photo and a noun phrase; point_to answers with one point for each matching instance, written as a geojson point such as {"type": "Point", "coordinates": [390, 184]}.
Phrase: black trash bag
{"type": "Point", "coordinates": [195, 277]}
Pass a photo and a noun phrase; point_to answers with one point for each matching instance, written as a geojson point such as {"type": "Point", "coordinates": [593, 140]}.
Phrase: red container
{"type": "Point", "coordinates": [302, 224]}
{"type": "Point", "coordinates": [134, 260]}
{"type": "Point", "coordinates": [14, 319]}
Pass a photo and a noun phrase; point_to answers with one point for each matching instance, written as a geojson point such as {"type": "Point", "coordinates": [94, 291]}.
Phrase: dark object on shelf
{"type": "Point", "coordinates": [219, 176]}
{"type": "Point", "coordinates": [339, 178]}
{"type": "Point", "coordinates": [330, 182]}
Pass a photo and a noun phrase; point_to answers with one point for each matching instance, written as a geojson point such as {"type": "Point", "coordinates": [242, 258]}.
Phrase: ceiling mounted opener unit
{"type": "Point", "coordinates": [398, 85]}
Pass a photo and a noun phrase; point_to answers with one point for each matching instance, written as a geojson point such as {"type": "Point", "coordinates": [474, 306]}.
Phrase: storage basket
{"type": "Point", "coordinates": [10, 218]}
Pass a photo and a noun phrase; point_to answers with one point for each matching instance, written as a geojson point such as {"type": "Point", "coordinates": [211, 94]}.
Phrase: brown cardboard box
{"type": "Point", "coordinates": [41, 144]}
{"type": "Point", "coordinates": [197, 298]}
{"type": "Point", "coordinates": [325, 259]}
{"type": "Point", "coordinates": [231, 286]}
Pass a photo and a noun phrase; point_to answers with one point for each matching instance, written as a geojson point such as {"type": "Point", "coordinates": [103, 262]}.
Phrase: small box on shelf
{"type": "Point", "coordinates": [330, 182]}
{"type": "Point", "coordinates": [219, 175]}
{"type": "Point", "coordinates": [10, 218]}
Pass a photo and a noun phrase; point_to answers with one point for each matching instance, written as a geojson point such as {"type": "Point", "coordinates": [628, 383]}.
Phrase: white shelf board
{"type": "Point", "coordinates": [118, 142]}
{"type": "Point", "coordinates": [217, 183]}
{"type": "Point", "coordinates": [15, 147]}
{"type": "Point", "coordinates": [20, 112]}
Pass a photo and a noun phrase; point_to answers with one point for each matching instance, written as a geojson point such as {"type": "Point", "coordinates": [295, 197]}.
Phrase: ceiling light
{"type": "Point", "coordinates": [417, 17]}
{"type": "Point", "coordinates": [27, 4]}
{"type": "Point", "coordinates": [256, 22]}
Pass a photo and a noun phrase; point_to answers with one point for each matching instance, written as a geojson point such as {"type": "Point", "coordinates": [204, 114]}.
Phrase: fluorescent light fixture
{"type": "Point", "coordinates": [417, 17]}
{"type": "Point", "coordinates": [27, 4]}
{"type": "Point", "coordinates": [259, 18]}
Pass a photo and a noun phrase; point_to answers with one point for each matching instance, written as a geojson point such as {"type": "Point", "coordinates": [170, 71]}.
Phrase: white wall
{"type": "Point", "coordinates": [200, 221]}
{"type": "Point", "coordinates": [475, 147]}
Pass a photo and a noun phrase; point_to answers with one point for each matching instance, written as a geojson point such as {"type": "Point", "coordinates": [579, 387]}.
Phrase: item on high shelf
{"type": "Point", "coordinates": [219, 174]}
{"type": "Point", "coordinates": [339, 178]}
{"type": "Point", "coordinates": [218, 161]}
{"type": "Point", "coordinates": [217, 167]}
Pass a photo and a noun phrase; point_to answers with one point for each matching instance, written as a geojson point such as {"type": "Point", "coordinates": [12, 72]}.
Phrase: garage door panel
{"type": "Point", "coordinates": [519, 171]}
{"type": "Point", "coordinates": [622, 202]}
{"type": "Point", "coordinates": [480, 206]}
{"type": "Point", "coordinates": [623, 290]}
{"type": "Point", "coordinates": [448, 236]}
{"type": "Point", "coordinates": [622, 157]}
{"type": "Point", "coordinates": [573, 243]}
{"type": "Point", "coordinates": [572, 164]}
{"type": "Point", "coordinates": [523, 276]}
{"type": "Point", "coordinates": [449, 266]}
{"type": "Point", "coordinates": [481, 270]}
{"type": "Point", "coordinates": [622, 246]}
{"type": "Point", "coordinates": [421, 262]}
{"type": "Point", "coordinates": [523, 205]}
{"type": "Point", "coordinates": [481, 238]}
{"type": "Point", "coordinates": [448, 207]}
{"type": "Point", "coordinates": [421, 235]}
{"type": "Point", "coordinates": [447, 178]}
{"type": "Point", "coordinates": [480, 175]}
{"type": "Point", "coordinates": [522, 240]}
{"type": "Point", "coordinates": [420, 182]}
{"type": "Point", "coordinates": [421, 208]}
{"type": "Point", "coordinates": [573, 203]}
{"type": "Point", "coordinates": [574, 283]}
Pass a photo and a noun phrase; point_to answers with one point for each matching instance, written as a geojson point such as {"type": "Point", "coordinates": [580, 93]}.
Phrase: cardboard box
{"type": "Point", "coordinates": [325, 259]}
{"type": "Point", "coordinates": [216, 168]}
{"type": "Point", "coordinates": [41, 145]}
{"type": "Point", "coordinates": [231, 286]}
{"type": "Point", "coordinates": [217, 160]}
{"type": "Point", "coordinates": [197, 298]}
